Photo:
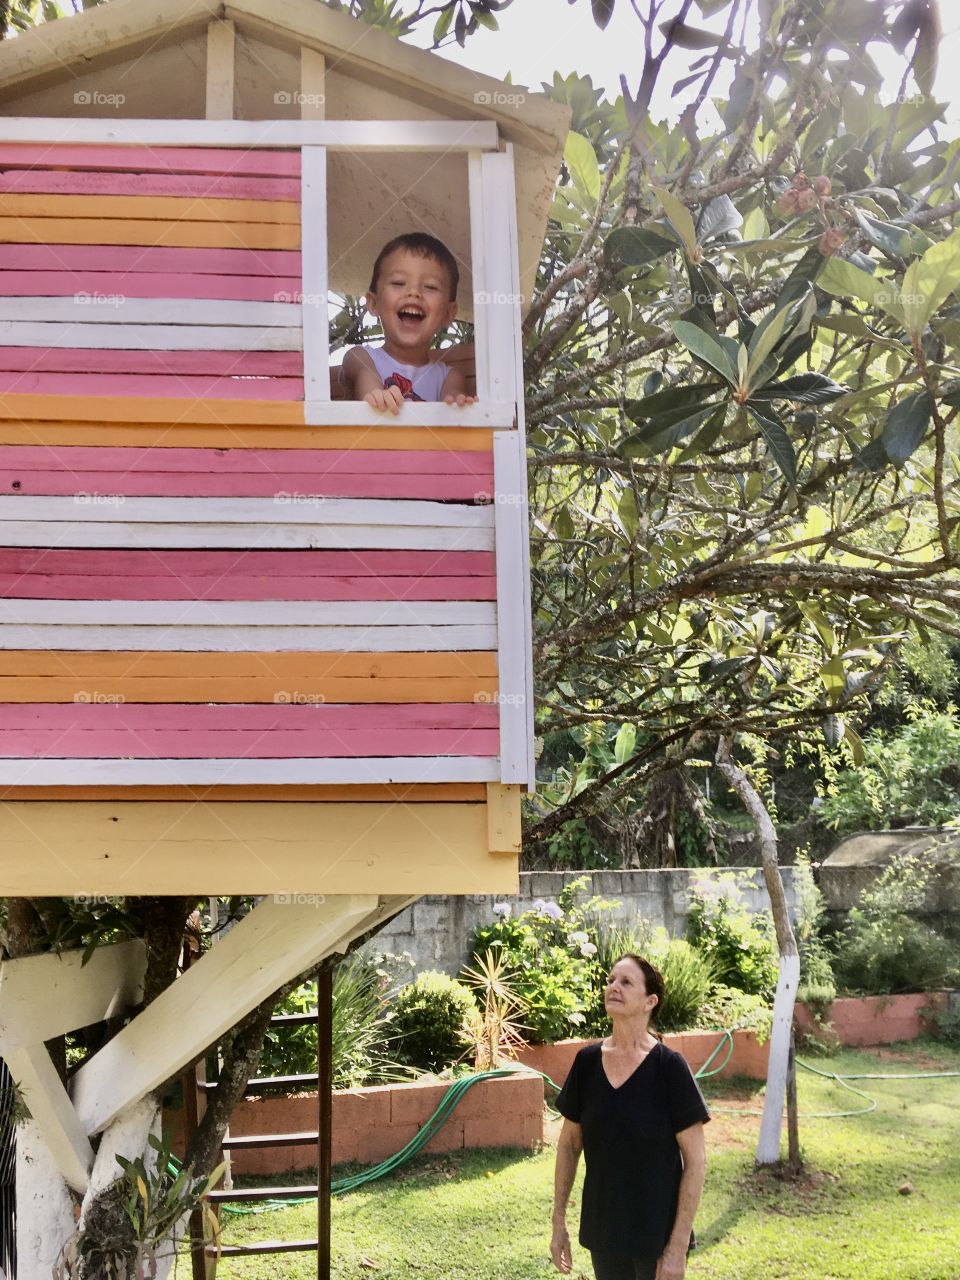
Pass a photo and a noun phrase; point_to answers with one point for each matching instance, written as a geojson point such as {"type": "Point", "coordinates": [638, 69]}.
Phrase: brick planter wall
{"type": "Point", "coordinates": [871, 1020]}
{"type": "Point", "coordinates": [749, 1056]}
{"type": "Point", "coordinates": [371, 1124]}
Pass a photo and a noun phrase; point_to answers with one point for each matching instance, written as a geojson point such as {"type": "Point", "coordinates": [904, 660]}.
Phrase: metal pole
{"type": "Point", "coordinates": [325, 1107]}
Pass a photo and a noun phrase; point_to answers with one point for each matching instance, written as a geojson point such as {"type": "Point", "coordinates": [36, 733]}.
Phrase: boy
{"type": "Point", "coordinates": [413, 291]}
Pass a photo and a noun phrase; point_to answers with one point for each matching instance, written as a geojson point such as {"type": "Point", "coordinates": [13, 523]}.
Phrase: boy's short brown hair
{"type": "Point", "coordinates": [426, 247]}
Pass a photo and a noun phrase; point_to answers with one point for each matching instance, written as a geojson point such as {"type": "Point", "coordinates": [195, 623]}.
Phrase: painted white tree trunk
{"type": "Point", "coordinates": [768, 1146]}
{"type": "Point", "coordinates": [44, 1206]}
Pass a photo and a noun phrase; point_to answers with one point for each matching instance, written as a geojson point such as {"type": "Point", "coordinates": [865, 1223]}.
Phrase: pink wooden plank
{"type": "Point", "coordinates": [92, 183]}
{"type": "Point", "coordinates": [238, 161]}
{"type": "Point", "coordinates": [322, 462]}
{"type": "Point", "coordinates": [146, 284]}
{"type": "Point", "coordinates": [289, 564]}
{"type": "Point", "coordinates": [243, 586]}
{"type": "Point", "coordinates": [176, 261]}
{"type": "Point", "coordinates": [194, 743]}
{"type": "Point", "coordinates": [186, 484]}
{"type": "Point", "coordinates": [87, 360]}
{"type": "Point", "coordinates": [131, 384]}
{"type": "Point", "coordinates": [266, 717]}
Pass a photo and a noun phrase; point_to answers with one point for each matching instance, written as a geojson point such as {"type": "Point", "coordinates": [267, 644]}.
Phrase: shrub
{"type": "Point", "coordinates": [361, 1028]}
{"type": "Point", "coordinates": [729, 1009]}
{"type": "Point", "coordinates": [429, 1017]}
{"type": "Point", "coordinates": [884, 949]}
{"type": "Point", "coordinates": [817, 985]}
{"type": "Point", "coordinates": [740, 946]}
{"type": "Point", "coordinates": [688, 979]}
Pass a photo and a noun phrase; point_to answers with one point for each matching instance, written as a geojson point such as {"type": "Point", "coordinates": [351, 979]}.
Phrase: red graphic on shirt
{"type": "Point", "coordinates": [405, 385]}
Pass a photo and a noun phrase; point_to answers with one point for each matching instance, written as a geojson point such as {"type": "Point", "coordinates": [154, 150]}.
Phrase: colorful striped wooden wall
{"type": "Point", "coordinates": [196, 588]}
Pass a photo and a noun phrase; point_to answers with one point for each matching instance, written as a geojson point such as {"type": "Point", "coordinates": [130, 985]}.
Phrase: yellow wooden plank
{"type": "Point", "coordinates": [503, 819]}
{"type": "Point", "coordinates": [407, 793]}
{"type": "Point", "coordinates": [167, 411]}
{"type": "Point", "coordinates": [55, 849]}
{"type": "Point", "coordinates": [185, 234]}
{"type": "Point", "coordinates": [150, 208]}
{"type": "Point", "coordinates": [289, 665]}
{"type": "Point", "coordinates": [170, 432]}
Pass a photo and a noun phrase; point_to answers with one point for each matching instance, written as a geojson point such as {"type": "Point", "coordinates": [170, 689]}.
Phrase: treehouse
{"type": "Point", "coordinates": [255, 638]}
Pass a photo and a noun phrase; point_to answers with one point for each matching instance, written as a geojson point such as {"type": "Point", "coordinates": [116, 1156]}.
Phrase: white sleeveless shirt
{"type": "Point", "coordinates": [426, 379]}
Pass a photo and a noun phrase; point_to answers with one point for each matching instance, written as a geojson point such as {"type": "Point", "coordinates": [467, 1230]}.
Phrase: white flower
{"type": "Point", "coordinates": [588, 949]}
{"type": "Point", "coordinates": [502, 909]}
{"type": "Point", "coordinates": [579, 938]}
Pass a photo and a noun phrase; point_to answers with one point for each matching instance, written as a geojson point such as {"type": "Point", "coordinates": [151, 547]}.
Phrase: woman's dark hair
{"type": "Point", "coordinates": [425, 246]}
{"type": "Point", "coordinates": [652, 978]}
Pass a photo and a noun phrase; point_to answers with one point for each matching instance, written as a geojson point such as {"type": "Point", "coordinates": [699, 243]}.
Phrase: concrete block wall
{"type": "Point", "coordinates": [435, 930]}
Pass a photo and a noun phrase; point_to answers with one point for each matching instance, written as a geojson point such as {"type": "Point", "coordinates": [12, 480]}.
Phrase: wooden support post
{"type": "Point", "coordinates": [325, 1118]}
{"type": "Point", "coordinates": [220, 63]}
{"type": "Point", "coordinates": [503, 819]}
{"type": "Point", "coordinates": [52, 1111]}
{"type": "Point", "coordinates": [313, 81]}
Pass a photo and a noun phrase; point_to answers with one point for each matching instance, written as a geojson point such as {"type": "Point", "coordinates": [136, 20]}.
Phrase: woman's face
{"type": "Point", "coordinates": [625, 994]}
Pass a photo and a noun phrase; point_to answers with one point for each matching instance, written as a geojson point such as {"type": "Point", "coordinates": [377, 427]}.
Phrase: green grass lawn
{"type": "Point", "coordinates": [485, 1215]}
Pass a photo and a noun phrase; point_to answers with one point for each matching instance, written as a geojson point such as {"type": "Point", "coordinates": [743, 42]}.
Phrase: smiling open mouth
{"type": "Point", "coordinates": [410, 313]}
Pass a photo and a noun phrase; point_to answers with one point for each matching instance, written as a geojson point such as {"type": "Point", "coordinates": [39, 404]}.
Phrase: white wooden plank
{"type": "Point", "coordinates": [511, 648]}
{"type": "Point", "coordinates": [220, 69]}
{"type": "Point", "coordinates": [397, 513]}
{"type": "Point", "coordinates": [53, 1113]}
{"type": "Point", "coordinates": [241, 771]}
{"type": "Point", "coordinates": [135, 337]}
{"type": "Point", "coordinates": [338, 135]}
{"type": "Point", "coordinates": [274, 943]}
{"type": "Point", "coordinates": [250, 613]}
{"type": "Point", "coordinates": [313, 234]}
{"type": "Point", "coordinates": [348, 413]}
{"type": "Point", "coordinates": [500, 302]}
{"type": "Point", "coordinates": [234, 639]}
{"type": "Point", "coordinates": [263, 537]}
{"type": "Point", "coordinates": [78, 309]}
{"type": "Point", "coordinates": [48, 995]}
{"type": "Point", "coordinates": [478, 249]}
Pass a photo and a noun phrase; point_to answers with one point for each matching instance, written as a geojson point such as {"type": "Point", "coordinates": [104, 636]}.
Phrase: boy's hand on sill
{"type": "Point", "coordinates": [385, 399]}
{"type": "Point", "coordinates": [460, 400]}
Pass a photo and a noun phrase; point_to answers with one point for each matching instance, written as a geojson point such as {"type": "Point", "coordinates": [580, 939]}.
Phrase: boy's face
{"type": "Point", "coordinates": [412, 300]}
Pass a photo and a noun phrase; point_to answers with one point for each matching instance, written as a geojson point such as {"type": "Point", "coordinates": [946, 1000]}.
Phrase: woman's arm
{"type": "Point", "coordinates": [568, 1155]}
{"type": "Point", "coordinates": [693, 1147]}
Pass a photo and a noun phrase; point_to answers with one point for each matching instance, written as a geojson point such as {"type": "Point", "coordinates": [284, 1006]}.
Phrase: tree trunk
{"type": "Point", "coordinates": [768, 1145]}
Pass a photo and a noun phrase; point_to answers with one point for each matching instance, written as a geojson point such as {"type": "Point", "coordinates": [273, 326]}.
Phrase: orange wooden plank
{"type": "Point", "coordinates": [166, 664]}
{"type": "Point", "coordinates": [149, 208]}
{"type": "Point", "coordinates": [192, 235]}
{"type": "Point", "coordinates": [308, 689]}
{"type": "Point", "coordinates": [169, 431]}
{"type": "Point", "coordinates": [106, 409]}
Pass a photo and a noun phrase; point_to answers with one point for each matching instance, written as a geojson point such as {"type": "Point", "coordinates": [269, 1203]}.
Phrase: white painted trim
{"type": "Point", "coordinates": [220, 69]}
{"type": "Point", "coordinates": [313, 238]}
{"type": "Point", "coordinates": [78, 310]}
{"type": "Point", "coordinates": [396, 513]}
{"type": "Point", "coordinates": [768, 1144]}
{"type": "Point", "coordinates": [349, 413]}
{"type": "Point", "coordinates": [274, 943]}
{"type": "Point", "coordinates": [171, 337]}
{"type": "Point", "coordinates": [478, 252]}
{"type": "Point", "coordinates": [261, 537]}
{"type": "Point", "coordinates": [51, 1110]}
{"type": "Point", "coordinates": [48, 995]}
{"type": "Point", "coordinates": [511, 649]}
{"type": "Point", "coordinates": [249, 613]}
{"type": "Point", "coordinates": [233, 639]}
{"type": "Point", "coordinates": [337, 135]}
{"type": "Point", "coordinates": [240, 772]}
{"type": "Point", "coordinates": [500, 300]}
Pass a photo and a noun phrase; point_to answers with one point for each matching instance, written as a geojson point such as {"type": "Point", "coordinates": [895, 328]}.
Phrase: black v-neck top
{"type": "Point", "coordinates": [633, 1160]}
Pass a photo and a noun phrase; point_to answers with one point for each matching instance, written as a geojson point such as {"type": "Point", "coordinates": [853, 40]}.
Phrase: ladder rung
{"type": "Point", "coordinates": [264, 1193]}
{"type": "Point", "coordinates": [268, 1140]}
{"type": "Point", "coordinates": [271, 1246]}
{"type": "Point", "coordinates": [268, 1082]}
{"type": "Point", "coordinates": [294, 1019]}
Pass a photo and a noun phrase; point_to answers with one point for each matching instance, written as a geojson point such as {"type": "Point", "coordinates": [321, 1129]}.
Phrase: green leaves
{"type": "Point", "coordinates": [905, 426]}
{"type": "Point", "coordinates": [929, 282]}
{"type": "Point", "coordinates": [581, 161]}
{"type": "Point", "coordinates": [637, 246]}
{"type": "Point", "coordinates": [706, 348]}
{"type": "Point", "coordinates": [777, 441]}
{"type": "Point", "coordinates": [680, 217]}
{"type": "Point", "coordinates": [803, 388]}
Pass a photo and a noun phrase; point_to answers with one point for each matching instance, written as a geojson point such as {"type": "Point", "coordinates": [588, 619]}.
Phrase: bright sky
{"type": "Point", "coordinates": [537, 37]}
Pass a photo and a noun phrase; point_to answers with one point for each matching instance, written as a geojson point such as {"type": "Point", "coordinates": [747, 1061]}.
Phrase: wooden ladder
{"type": "Point", "coordinates": [204, 1256]}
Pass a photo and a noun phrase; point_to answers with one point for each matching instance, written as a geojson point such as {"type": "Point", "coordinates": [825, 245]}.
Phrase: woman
{"type": "Point", "coordinates": [634, 1109]}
